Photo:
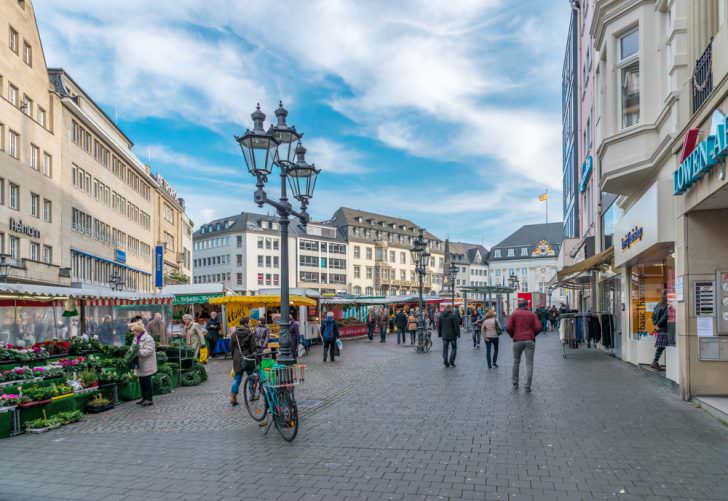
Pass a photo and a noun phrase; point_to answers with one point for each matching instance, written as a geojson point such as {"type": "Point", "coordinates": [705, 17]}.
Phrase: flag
{"type": "Point", "coordinates": [543, 196]}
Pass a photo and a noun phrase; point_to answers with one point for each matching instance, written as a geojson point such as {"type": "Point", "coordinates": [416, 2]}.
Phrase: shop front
{"type": "Point", "coordinates": [644, 253]}
{"type": "Point", "coordinates": [701, 193]}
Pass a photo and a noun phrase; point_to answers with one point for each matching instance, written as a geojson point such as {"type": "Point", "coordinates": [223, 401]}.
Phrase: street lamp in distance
{"type": "Point", "coordinates": [513, 282]}
{"type": "Point", "coordinates": [115, 281]}
{"type": "Point", "coordinates": [452, 272]}
{"type": "Point", "coordinates": [420, 257]}
{"type": "Point", "coordinates": [280, 146]}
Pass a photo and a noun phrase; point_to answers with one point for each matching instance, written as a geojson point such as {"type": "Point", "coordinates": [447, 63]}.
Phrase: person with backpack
{"type": "Point", "coordinates": [491, 329]}
{"type": "Point", "coordinates": [329, 335]}
{"type": "Point", "coordinates": [261, 334]}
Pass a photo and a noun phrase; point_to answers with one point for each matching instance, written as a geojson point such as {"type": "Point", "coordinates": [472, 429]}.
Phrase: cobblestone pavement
{"type": "Point", "coordinates": [386, 423]}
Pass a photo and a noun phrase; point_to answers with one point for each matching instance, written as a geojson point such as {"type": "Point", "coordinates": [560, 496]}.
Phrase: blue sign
{"type": "Point", "coordinates": [705, 155]}
{"type": "Point", "coordinates": [632, 237]}
{"type": "Point", "coordinates": [159, 266]}
{"type": "Point", "coordinates": [119, 256]}
{"type": "Point", "coordinates": [586, 169]}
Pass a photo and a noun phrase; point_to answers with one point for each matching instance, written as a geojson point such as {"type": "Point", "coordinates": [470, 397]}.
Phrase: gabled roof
{"type": "Point", "coordinates": [346, 216]}
{"type": "Point", "coordinates": [531, 236]}
{"type": "Point", "coordinates": [469, 252]}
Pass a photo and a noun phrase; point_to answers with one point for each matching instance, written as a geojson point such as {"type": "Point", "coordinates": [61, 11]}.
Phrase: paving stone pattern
{"type": "Point", "coordinates": [386, 423]}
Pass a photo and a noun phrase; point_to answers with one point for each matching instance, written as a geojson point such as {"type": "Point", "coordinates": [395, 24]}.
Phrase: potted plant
{"type": "Point", "coordinates": [98, 404]}
{"type": "Point", "coordinates": [88, 378]}
{"type": "Point", "coordinates": [42, 424]}
{"type": "Point", "coordinates": [35, 395]}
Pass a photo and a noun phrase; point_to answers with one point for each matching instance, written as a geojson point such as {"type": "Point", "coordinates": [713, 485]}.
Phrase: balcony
{"type": "Point", "coordinates": [702, 80]}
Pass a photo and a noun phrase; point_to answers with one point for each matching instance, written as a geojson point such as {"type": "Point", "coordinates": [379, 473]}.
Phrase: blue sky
{"type": "Point", "coordinates": [447, 113]}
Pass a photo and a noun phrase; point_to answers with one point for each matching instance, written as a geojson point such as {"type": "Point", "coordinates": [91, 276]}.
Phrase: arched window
{"type": "Point", "coordinates": [369, 291]}
{"type": "Point", "coordinates": [357, 291]}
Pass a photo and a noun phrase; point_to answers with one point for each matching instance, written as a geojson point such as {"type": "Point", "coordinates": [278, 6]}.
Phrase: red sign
{"type": "Point", "coordinates": [689, 143]}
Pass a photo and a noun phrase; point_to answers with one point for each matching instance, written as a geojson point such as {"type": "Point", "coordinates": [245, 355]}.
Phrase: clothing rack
{"type": "Point", "coordinates": [577, 328]}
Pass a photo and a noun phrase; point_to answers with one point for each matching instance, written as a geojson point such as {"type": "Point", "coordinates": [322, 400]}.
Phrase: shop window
{"type": "Point", "coordinates": [647, 281]}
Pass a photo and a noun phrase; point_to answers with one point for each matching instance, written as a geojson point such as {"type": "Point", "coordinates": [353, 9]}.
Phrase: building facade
{"type": "Point", "coordinates": [173, 232]}
{"type": "Point", "coordinates": [530, 254]}
{"type": "Point", "coordinates": [77, 207]}
{"type": "Point", "coordinates": [472, 265]}
{"type": "Point", "coordinates": [570, 127]}
{"type": "Point", "coordinates": [379, 254]}
{"type": "Point", "coordinates": [321, 259]}
{"type": "Point", "coordinates": [31, 198]}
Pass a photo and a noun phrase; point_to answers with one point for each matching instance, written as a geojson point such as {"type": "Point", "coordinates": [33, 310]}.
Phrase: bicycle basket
{"type": "Point", "coordinates": [285, 375]}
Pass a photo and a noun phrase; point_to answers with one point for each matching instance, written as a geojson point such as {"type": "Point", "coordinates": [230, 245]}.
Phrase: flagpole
{"type": "Point", "coordinates": [547, 206]}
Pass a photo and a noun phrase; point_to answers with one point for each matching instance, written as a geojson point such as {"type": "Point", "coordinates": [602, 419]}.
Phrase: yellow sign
{"type": "Point", "coordinates": [543, 249]}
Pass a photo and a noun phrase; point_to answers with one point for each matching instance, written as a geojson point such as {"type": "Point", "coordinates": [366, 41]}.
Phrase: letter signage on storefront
{"type": "Point", "coordinates": [586, 169]}
{"type": "Point", "coordinates": [20, 227]}
{"type": "Point", "coordinates": [699, 160]}
{"type": "Point", "coordinates": [119, 256]}
{"type": "Point", "coordinates": [634, 236]}
{"type": "Point", "coordinates": [158, 266]}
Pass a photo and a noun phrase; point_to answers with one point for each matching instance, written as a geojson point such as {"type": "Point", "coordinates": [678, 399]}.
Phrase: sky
{"type": "Point", "coordinates": [446, 113]}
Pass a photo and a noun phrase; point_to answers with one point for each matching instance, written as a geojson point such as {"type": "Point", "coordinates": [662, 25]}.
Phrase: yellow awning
{"type": "Point", "coordinates": [604, 257]}
{"type": "Point", "coordinates": [258, 301]}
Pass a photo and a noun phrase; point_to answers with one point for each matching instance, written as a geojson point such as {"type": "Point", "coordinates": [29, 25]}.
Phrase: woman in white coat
{"type": "Point", "coordinates": [144, 345]}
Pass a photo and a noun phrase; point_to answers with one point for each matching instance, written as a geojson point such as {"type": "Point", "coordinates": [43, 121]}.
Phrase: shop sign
{"type": "Point", "coordinates": [586, 170]}
{"type": "Point", "coordinates": [632, 237]}
{"type": "Point", "coordinates": [194, 299]}
{"type": "Point", "coordinates": [20, 227]}
{"type": "Point", "coordinates": [158, 266]}
{"type": "Point", "coordinates": [119, 256]}
{"type": "Point", "coordinates": [696, 161]}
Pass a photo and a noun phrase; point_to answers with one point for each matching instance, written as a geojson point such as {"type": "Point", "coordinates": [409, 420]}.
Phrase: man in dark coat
{"type": "Point", "coordinates": [242, 344]}
{"type": "Point", "coordinates": [329, 335]}
{"type": "Point", "coordinates": [449, 331]}
{"type": "Point", "coordinates": [660, 318]}
{"type": "Point", "coordinates": [401, 321]}
{"type": "Point", "coordinates": [213, 332]}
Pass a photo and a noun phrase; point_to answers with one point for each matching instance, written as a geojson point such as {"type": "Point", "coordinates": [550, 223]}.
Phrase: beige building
{"type": "Point", "coordinates": [31, 235]}
{"type": "Point", "coordinates": [379, 256]}
{"type": "Point", "coordinates": [173, 231]}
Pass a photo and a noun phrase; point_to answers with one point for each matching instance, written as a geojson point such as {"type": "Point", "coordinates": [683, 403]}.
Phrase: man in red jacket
{"type": "Point", "coordinates": [523, 326]}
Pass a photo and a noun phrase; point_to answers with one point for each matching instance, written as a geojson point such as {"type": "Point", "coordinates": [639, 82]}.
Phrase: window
{"type": "Point", "coordinates": [308, 245]}
{"type": "Point", "coordinates": [524, 271]}
{"type": "Point", "coordinates": [369, 291]}
{"type": "Point", "coordinates": [275, 278]}
{"type": "Point", "coordinates": [323, 262]}
{"type": "Point", "coordinates": [497, 253]}
{"type": "Point", "coordinates": [369, 253]}
{"type": "Point", "coordinates": [267, 279]}
{"type": "Point", "coordinates": [14, 40]}
{"type": "Point", "coordinates": [47, 254]}
{"type": "Point", "coordinates": [27, 105]}
{"type": "Point", "coordinates": [260, 242]}
{"type": "Point", "coordinates": [239, 241]}
{"type": "Point", "coordinates": [275, 261]}
{"type": "Point", "coordinates": [41, 116]}
{"type": "Point", "coordinates": [403, 258]}
{"type": "Point", "coordinates": [14, 199]}
{"type": "Point", "coordinates": [2, 243]}
{"type": "Point", "coordinates": [260, 261]}
{"type": "Point", "coordinates": [34, 251]}
{"type": "Point", "coordinates": [14, 146]}
{"type": "Point", "coordinates": [260, 279]}
{"type": "Point", "coordinates": [47, 211]}
{"type": "Point", "coordinates": [524, 251]}
{"type": "Point", "coordinates": [392, 257]}
{"type": "Point", "coordinates": [239, 260]}
{"type": "Point", "coordinates": [267, 261]}
{"type": "Point", "coordinates": [357, 251]}
{"type": "Point", "coordinates": [402, 275]}
{"type": "Point", "coordinates": [357, 271]}
{"type": "Point", "coordinates": [357, 290]}
{"type": "Point", "coordinates": [370, 272]}
{"type": "Point", "coordinates": [34, 205]}
{"type": "Point", "coordinates": [275, 244]}
{"type": "Point", "coordinates": [34, 157]}
{"type": "Point", "coordinates": [511, 252]}
{"type": "Point", "coordinates": [2, 195]}
{"type": "Point", "coordinates": [14, 249]}
{"type": "Point", "coordinates": [239, 279]}
{"type": "Point", "coordinates": [47, 165]}
{"type": "Point", "coordinates": [267, 243]}
{"type": "Point", "coordinates": [13, 95]}
{"type": "Point", "coordinates": [629, 73]}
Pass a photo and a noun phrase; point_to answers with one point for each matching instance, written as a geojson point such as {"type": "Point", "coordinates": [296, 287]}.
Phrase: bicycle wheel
{"type": "Point", "coordinates": [286, 416]}
{"type": "Point", "coordinates": [254, 400]}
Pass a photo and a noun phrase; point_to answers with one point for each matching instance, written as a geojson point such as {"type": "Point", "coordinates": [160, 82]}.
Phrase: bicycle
{"type": "Point", "coordinates": [271, 390]}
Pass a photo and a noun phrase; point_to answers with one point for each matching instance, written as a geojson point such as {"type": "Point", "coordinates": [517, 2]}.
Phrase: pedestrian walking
{"type": "Point", "coordinates": [213, 332]}
{"type": "Point", "coordinates": [157, 328]}
{"type": "Point", "coordinates": [400, 321]}
{"type": "Point", "coordinates": [194, 337]}
{"type": "Point", "coordinates": [449, 331]}
{"type": "Point", "coordinates": [412, 325]}
{"type": "Point", "coordinates": [143, 345]}
{"type": "Point", "coordinates": [295, 335]}
{"type": "Point", "coordinates": [371, 324]}
{"type": "Point", "coordinates": [491, 330]}
{"type": "Point", "coordinates": [523, 326]}
{"type": "Point", "coordinates": [660, 317]}
{"type": "Point", "coordinates": [261, 333]}
{"type": "Point", "coordinates": [242, 344]}
{"type": "Point", "coordinates": [329, 335]}
{"type": "Point", "coordinates": [554, 318]}
{"type": "Point", "coordinates": [475, 326]}
{"type": "Point", "coordinates": [382, 320]}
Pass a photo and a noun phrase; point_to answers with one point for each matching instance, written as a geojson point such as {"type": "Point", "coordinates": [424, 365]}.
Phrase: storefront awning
{"type": "Point", "coordinates": [258, 301]}
{"type": "Point", "coordinates": [92, 296]}
{"type": "Point", "coordinates": [571, 272]}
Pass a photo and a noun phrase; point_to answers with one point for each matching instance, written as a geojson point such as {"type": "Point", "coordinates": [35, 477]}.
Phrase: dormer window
{"type": "Point", "coordinates": [524, 251]}
{"type": "Point", "coordinates": [497, 253]}
{"type": "Point", "coordinates": [511, 252]}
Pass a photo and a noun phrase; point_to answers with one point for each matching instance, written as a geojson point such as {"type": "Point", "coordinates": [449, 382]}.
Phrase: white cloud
{"type": "Point", "coordinates": [176, 160]}
{"type": "Point", "coordinates": [334, 158]}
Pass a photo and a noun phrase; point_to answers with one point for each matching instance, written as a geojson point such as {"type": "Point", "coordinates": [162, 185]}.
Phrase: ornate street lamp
{"type": "Point", "coordinates": [452, 272]}
{"type": "Point", "coordinates": [420, 257]}
{"type": "Point", "coordinates": [513, 283]}
{"type": "Point", "coordinates": [280, 146]}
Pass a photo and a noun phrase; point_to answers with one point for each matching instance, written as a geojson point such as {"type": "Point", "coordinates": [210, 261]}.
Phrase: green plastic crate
{"type": "Point", "coordinates": [6, 424]}
{"type": "Point", "coordinates": [130, 391]}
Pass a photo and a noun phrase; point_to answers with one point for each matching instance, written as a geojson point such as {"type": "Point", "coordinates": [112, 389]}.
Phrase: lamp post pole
{"type": "Point", "coordinates": [420, 257]}
{"type": "Point", "coordinates": [280, 146]}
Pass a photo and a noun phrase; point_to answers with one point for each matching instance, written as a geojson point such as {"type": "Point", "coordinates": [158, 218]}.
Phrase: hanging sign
{"type": "Point", "coordinates": [159, 266]}
{"type": "Point", "coordinates": [631, 238]}
{"type": "Point", "coordinates": [119, 256]}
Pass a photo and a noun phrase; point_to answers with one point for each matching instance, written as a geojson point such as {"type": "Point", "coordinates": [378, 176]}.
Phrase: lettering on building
{"type": "Point", "coordinates": [20, 227]}
{"type": "Point", "coordinates": [632, 237]}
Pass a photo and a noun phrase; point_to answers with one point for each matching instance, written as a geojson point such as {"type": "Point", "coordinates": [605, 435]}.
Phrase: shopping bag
{"type": "Point", "coordinates": [339, 347]}
{"type": "Point", "coordinates": [204, 354]}
{"type": "Point", "coordinates": [301, 351]}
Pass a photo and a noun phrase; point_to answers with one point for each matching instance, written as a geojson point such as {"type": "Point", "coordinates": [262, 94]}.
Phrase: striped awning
{"type": "Point", "coordinates": [92, 296]}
